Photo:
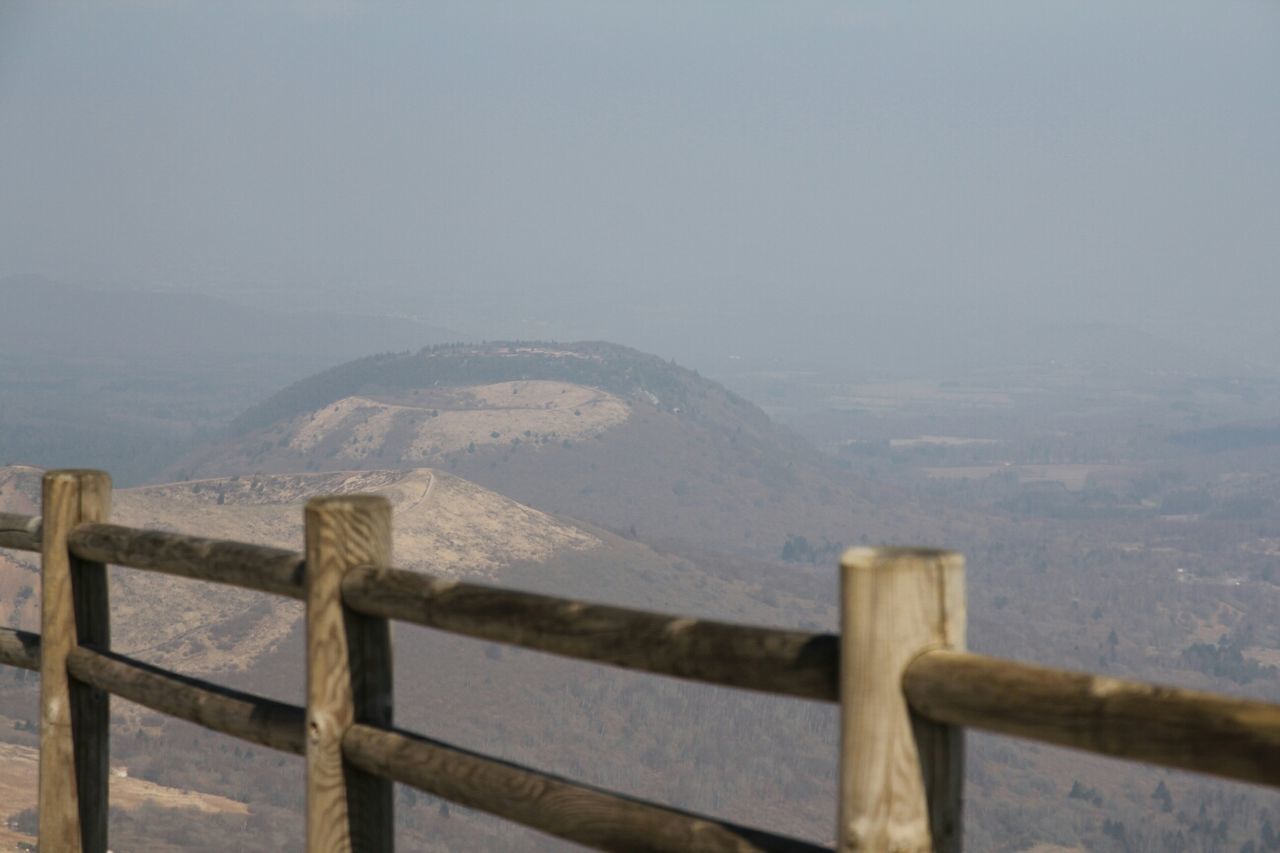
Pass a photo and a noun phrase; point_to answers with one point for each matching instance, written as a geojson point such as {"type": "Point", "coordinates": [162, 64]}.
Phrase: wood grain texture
{"type": "Point", "coordinates": [242, 715]}
{"type": "Point", "coordinates": [20, 649]}
{"type": "Point", "coordinates": [348, 675]}
{"type": "Point", "coordinates": [1186, 729]}
{"type": "Point", "coordinates": [73, 715]}
{"type": "Point", "coordinates": [19, 532]}
{"type": "Point", "coordinates": [789, 663]}
{"type": "Point", "coordinates": [258, 567]}
{"type": "Point", "coordinates": [900, 776]}
{"type": "Point", "coordinates": [582, 814]}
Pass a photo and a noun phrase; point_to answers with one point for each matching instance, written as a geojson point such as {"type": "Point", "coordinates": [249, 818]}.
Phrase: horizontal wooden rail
{"type": "Point", "coordinates": [20, 649]}
{"type": "Point", "coordinates": [1185, 729]}
{"type": "Point", "coordinates": [20, 532]}
{"type": "Point", "coordinates": [241, 715]}
{"type": "Point", "coordinates": [259, 567]}
{"type": "Point", "coordinates": [790, 663]}
{"type": "Point", "coordinates": [547, 803]}
{"type": "Point", "coordinates": [559, 807]}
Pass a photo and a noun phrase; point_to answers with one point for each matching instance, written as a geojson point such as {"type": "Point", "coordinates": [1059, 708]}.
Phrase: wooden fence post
{"type": "Point", "coordinates": [348, 676]}
{"type": "Point", "coordinates": [900, 776]}
{"type": "Point", "coordinates": [74, 717]}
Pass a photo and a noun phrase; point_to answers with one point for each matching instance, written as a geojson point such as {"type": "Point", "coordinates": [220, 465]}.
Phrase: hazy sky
{"type": "Point", "coordinates": [775, 174]}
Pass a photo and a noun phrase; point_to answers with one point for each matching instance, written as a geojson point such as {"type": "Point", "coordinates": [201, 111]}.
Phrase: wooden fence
{"type": "Point", "coordinates": [898, 670]}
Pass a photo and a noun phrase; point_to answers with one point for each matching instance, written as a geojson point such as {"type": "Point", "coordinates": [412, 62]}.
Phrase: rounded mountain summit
{"type": "Point", "coordinates": [597, 431]}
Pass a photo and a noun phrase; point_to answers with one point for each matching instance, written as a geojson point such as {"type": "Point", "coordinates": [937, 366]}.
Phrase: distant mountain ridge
{"type": "Point", "coordinates": [611, 367]}
{"type": "Point", "coordinates": [593, 430]}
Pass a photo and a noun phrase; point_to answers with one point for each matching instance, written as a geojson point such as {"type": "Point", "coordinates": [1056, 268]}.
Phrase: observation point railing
{"type": "Point", "coordinates": [898, 669]}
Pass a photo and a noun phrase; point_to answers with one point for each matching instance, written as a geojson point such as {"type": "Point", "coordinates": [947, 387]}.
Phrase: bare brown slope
{"type": "Point", "coordinates": [443, 524]}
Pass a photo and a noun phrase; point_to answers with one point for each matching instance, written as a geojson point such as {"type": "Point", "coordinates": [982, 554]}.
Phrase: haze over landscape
{"type": "Point", "coordinates": [662, 306]}
{"type": "Point", "coordinates": [756, 178]}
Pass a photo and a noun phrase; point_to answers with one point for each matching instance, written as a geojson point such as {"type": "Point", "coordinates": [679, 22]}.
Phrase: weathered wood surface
{"type": "Point", "coordinates": [790, 663]}
{"type": "Point", "coordinates": [348, 675]}
{"type": "Point", "coordinates": [20, 649]}
{"type": "Point", "coordinates": [1186, 729]}
{"type": "Point", "coordinates": [258, 567]}
{"type": "Point", "coordinates": [242, 715]}
{"type": "Point", "coordinates": [19, 532]}
{"type": "Point", "coordinates": [901, 776]}
{"type": "Point", "coordinates": [74, 716]}
{"type": "Point", "coordinates": [547, 803]}
{"type": "Point", "coordinates": [90, 706]}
